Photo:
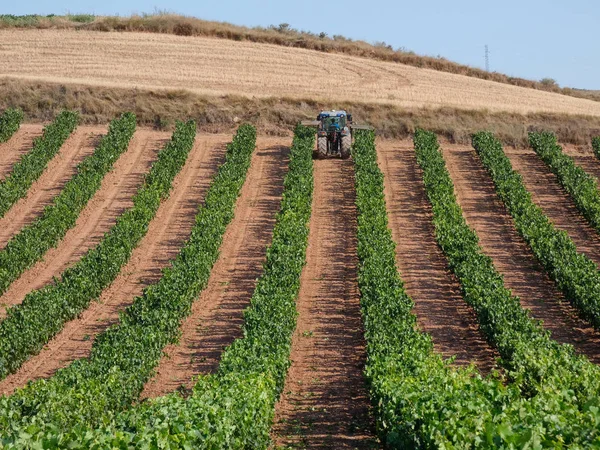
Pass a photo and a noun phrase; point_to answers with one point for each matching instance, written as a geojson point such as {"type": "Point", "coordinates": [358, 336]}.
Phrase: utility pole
{"type": "Point", "coordinates": [487, 58]}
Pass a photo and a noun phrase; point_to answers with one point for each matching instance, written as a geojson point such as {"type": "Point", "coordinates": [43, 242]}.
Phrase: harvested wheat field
{"type": "Point", "coordinates": [219, 67]}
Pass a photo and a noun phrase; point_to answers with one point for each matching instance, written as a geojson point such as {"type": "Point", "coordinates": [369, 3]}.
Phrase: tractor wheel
{"type": "Point", "coordinates": [322, 146]}
{"type": "Point", "coordinates": [346, 146]}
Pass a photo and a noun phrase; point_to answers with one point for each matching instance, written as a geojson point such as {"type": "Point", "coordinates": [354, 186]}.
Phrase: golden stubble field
{"type": "Point", "coordinates": [212, 66]}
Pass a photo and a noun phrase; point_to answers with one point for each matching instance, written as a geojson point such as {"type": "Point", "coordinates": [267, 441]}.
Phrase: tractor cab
{"type": "Point", "coordinates": [332, 121]}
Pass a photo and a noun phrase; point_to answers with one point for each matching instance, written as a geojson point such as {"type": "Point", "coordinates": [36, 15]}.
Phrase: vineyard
{"type": "Point", "coordinates": [185, 290]}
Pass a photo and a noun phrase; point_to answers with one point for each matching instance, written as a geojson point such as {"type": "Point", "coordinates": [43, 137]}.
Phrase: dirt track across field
{"type": "Point", "coordinates": [18, 145]}
{"type": "Point", "coordinates": [547, 193]}
{"type": "Point", "coordinates": [100, 214]}
{"type": "Point", "coordinates": [220, 67]}
{"type": "Point", "coordinates": [59, 171]}
{"type": "Point", "coordinates": [216, 317]}
{"type": "Point", "coordinates": [439, 306]}
{"type": "Point", "coordinates": [523, 275]}
{"type": "Point", "coordinates": [324, 403]}
{"type": "Point", "coordinates": [166, 234]}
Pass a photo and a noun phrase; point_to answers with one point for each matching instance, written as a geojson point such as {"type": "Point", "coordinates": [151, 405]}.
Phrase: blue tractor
{"type": "Point", "coordinates": [334, 133]}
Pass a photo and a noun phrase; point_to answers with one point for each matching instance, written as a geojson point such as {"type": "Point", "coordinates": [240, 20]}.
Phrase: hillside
{"type": "Point", "coordinates": [220, 67]}
{"type": "Point", "coordinates": [283, 34]}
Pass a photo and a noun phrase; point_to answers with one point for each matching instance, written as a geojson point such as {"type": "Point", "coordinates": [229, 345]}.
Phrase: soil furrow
{"type": "Point", "coordinates": [440, 309]}
{"type": "Point", "coordinates": [523, 275]}
{"type": "Point", "coordinates": [217, 315]}
{"type": "Point", "coordinates": [60, 169]}
{"type": "Point", "coordinates": [18, 145]}
{"type": "Point", "coordinates": [325, 403]}
{"type": "Point", "coordinates": [100, 214]}
{"type": "Point", "coordinates": [166, 234]}
{"type": "Point", "coordinates": [548, 194]}
{"type": "Point", "coordinates": [585, 158]}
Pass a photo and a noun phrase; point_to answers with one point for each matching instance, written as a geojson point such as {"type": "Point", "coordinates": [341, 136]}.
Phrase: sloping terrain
{"type": "Point", "coordinates": [219, 67]}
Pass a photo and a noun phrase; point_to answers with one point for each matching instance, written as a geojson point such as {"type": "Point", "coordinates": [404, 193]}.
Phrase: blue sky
{"type": "Point", "coordinates": [528, 38]}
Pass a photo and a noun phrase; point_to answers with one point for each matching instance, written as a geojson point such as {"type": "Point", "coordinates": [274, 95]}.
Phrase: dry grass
{"type": "Point", "coordinates": [190, 26]}
{"type": "Point", "coordinates": [208, 66]}
{"type": "Point", "coordinates": [41, 101]}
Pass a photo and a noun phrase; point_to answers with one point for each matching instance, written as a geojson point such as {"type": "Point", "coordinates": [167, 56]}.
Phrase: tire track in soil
{"type": "Point", "coordinates": [549, 195]}
{"type": "Point", "coordinates": [59, 170]}
{"type": "Point", "coordinates": [439, 306]}
{"type": "Point", "coordinates": [166, 234]}
{"type": "Point", "coordinates": [100, 214]}
{"type": "Point", "coordinates": [217, 315]}
{"type": "Point", "coordinates": [17, 146]}
{"type": "Point", "coordinates": [512, 257]}
{"type": "Point", "coordinates": [324, 403]}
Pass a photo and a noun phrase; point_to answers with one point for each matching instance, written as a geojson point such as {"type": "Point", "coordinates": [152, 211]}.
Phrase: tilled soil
{"type": "Point", "coordinates": [100, 214]}
{"type": "Point", "coordinates": [324, 403]}
{"type": "Point", "coordinates": [166, 234]}
{"type": "Point", "coordinates": [17, 146]}
{"type": "Point", "coordinates": [523, 275]}
{"type": "Point", "coordinates": [217, 315]}
{"type": "Point", "coordinates": [59, 170]}
{"type": "Point", "coordinates": [585, 158]}
{"type": "Point", "coordinates": [439, 306]}
{"type": "Point", "coordinates": [547, 193]}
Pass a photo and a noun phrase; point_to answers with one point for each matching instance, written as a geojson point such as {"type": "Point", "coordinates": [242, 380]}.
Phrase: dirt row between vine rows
{"type": "Point", "coordinates": [166, 234]}
{"type": "Point", "coordinates": [439, 306]}
{"type": "Point", "coordinates": [59, 170]}
{"type": "Point", "coordinates": [18, 145]}
{"type": "Point", "coordinates": [217, 315]}
{"type": "Point", "coordinates": [324, 403]}
{"type": "Point", "coordinates": [584, 156]}
{"type": "Point", "coordinates": [547, 193]}
{"type": "Point", "coordinates": [511, 255]}
{"type": "Point", "coordinates": [100, 214]}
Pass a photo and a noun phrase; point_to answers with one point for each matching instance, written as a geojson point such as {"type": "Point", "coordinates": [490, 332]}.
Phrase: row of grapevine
{"type": "Point", "coordinates": [420, 401]}
{"type": "Point", "coordinates": [34, 240]}
{"type": "Point", "coordinates": [31, 165]}
{"type": "Point", "coordinates": [596, 146]}
{"type": "Point", "coordinates": [563, 388]}
{"type": "Point", "coordinates": [42, 314]}
{"type": "Point", "coordinates": [234, 407]}
{"type": "Point", "coordinates": [574, 273]}
{"type": "Point", "coordinates": [10, 121]}
{"type": "Point", "coordinates": [582, 187]}
{"type": "Point", "coordinates": [123, 357]}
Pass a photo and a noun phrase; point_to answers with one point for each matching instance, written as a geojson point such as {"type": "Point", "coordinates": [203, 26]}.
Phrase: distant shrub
{"type": "Point", "coordinates": [549, 83]}
{"type": "Point", "coordinates": [81, 18]}
{"type": "Point", "coordinates": [183, 29]}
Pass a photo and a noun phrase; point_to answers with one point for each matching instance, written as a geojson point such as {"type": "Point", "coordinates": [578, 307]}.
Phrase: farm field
{"type": "Point", "coordinates": [171, 287]}
{"type": "Point", "coordinates": [219, 67]}
{"type": "Point", "coordinates": [324, 399]}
